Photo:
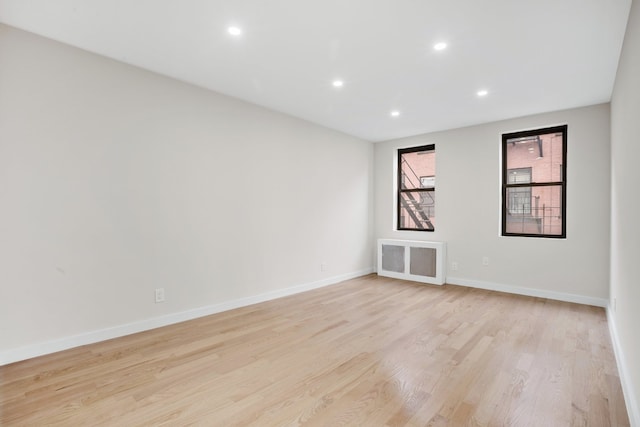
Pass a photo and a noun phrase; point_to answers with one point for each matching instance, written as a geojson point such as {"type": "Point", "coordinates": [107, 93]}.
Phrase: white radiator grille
{"type": "Point", "coordinates": [412, 260]}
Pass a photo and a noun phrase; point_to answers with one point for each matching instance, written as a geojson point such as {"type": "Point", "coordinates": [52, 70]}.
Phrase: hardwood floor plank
{"type": "Point", "coordinates": [370, 351]}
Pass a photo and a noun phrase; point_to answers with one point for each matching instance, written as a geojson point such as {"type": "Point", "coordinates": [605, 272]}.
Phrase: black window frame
{"type": "Point", "coordinates": [562, 184]}
{"type": "Point", "coordinates": [400, 190]}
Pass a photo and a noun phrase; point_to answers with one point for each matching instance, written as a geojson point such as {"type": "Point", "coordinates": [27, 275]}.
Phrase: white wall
{"type": "Point", "coordinates": [468, 208]}
{"type": "Point", "coordinates": [624, 316]}
{"type": "Point", "coordinates": [115, 181]}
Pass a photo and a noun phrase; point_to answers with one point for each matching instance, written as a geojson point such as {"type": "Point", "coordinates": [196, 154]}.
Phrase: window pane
{"type": "Point", "coordinates": [415, 166]}
{"type": "Point", "coordinates": [541, 154]}
{"type": "Point", "coordinates": [417, 210]}
{"type": "Point", "coordinates": [519, 176]}
{"type": "Point", "coordinates": [519, 200]}
{"type": "Point", "coordinates": [534, 210]}
{"type": "Point", "coordinates": [428, 181]}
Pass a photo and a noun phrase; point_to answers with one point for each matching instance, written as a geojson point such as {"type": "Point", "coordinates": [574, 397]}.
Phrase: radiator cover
{"type": "Point", "coordinates": [412, 260]}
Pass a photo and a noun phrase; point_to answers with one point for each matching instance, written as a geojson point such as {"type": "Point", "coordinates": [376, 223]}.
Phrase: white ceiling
{"type": "Point", "coordinates": [531, 55]}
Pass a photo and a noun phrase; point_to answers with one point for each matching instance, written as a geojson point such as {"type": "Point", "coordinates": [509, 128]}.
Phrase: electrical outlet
{"type": "Point", "coordinates": [323, 266]}
{"type": "Point", "coordinates": [159, 295]}
{"type": "Point", "coordinates": [454, 266]}
{"type": "Point", "coordinates": [485, 260]}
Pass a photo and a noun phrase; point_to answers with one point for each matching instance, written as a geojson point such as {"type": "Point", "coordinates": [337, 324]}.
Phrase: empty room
{"type": "Point", "coordinates": [224, 213]}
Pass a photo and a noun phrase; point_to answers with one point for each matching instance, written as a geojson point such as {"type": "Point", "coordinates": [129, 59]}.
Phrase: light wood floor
{"type": "Point", "coordinates": [370, 351]}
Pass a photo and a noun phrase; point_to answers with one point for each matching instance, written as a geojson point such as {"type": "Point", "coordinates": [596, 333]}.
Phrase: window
{"type": "Point", "coordinates": [533, 183]}
{"type": "Point", "coordinates": [417, 188]}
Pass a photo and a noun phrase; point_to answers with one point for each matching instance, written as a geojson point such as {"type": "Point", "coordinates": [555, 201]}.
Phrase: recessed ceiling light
{"type": "Point", "coordinates": [337, 83]}
{"type": "Point", "coordinates": [234, 31]}
{"type": "Point", "coordinates": [483, 92]}
{"type": "Point", "coordinates": [440, 46]}
{"type": "Point", "coordinates": [395, 113]}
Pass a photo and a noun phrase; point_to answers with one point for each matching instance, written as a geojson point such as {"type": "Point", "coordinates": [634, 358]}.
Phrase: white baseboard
{"type": "Point", "coordinates": [560, 296]}
{"type": "Point", "coordinates": [48, 347]}
{"type": "Point", "coordinates": [630, 397]}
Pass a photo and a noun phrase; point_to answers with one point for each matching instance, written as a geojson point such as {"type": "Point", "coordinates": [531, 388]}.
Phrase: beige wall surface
{"type": "Point", "coordinates": [115, 181]}
{"type": "Point", "coordinates": [468, 206]}
{"type": "Point", "coordinates": [625, 211]}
